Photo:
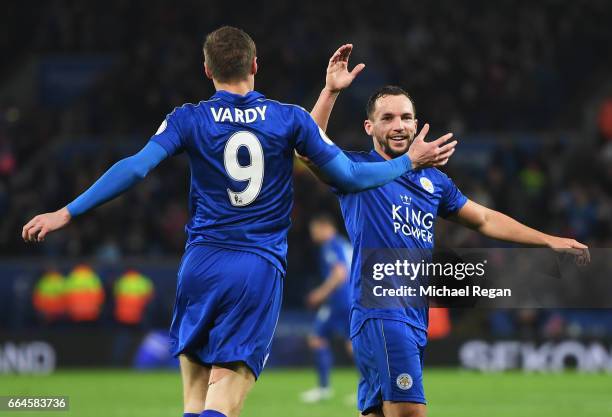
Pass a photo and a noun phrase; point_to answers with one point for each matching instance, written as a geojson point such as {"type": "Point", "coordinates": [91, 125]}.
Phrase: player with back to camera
{"type": "Point", "coordinates": [240, 147]}
{"type": "Point", "coordinates": [388, 344]}
{"type": "Point", "coordinates": [332, 298]}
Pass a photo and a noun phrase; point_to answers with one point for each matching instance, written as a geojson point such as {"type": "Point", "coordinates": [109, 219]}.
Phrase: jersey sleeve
{"type": "Point", "coordinates": [311, 141]}
{"type": "Point", "coordinates": [171, 133]}
{"type": "Point", "coordinates": [353, 157]}
{"type": "Point", "coordinates": [452, 199]}
{"type": "Point", "coordinates": [331, 255]}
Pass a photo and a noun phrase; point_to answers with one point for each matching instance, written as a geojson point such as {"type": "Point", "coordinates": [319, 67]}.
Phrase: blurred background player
{"type": "Point", "coordinates": [389, 343]}
{"type": "Point", "coordinates": [230, 279]}
{"type": "Point", "coordinates": [332, 298]}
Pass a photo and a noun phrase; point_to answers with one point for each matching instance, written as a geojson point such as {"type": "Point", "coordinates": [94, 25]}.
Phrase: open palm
{"type": "Point", "coordinates": [338, 76]}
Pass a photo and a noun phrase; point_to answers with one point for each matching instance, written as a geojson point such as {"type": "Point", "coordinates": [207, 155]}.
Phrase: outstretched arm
{"type": "Point", "coordinates": [113, 182]}
{"type": "Point", "coordinates": [499, 226]}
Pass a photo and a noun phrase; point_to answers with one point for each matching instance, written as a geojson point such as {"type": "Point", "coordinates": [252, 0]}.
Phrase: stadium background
{"type": "Point", "coordinates": [525, 86]}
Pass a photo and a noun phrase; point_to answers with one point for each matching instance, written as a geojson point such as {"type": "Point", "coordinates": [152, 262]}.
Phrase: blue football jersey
{"type": "Point", "coordinates": [334, 251]}
{"type": "Point", "coordinates": [240, 150]}
{"type": "Point", "coordinates": [399, 214]}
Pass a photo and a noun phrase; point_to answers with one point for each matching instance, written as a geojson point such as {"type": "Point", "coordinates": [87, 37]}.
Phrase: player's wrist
{"type": "Point", "coordinates": [409, 165]}
{"type": "Point", "coordinates": [65, 214]}
{"type": "Point", "coordinates": [548, 241]}
{"type": "Point", "coordinates": [331, 92]}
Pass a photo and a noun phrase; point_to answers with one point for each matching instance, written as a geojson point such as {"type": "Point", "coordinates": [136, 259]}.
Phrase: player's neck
{"type": "Point", "coordinates": [382, 153]}
{"type": "Point", "coordinates": [240, 87]}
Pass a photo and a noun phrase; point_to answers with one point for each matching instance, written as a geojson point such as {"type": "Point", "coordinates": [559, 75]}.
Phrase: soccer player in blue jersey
{"type": "Point", "coordinates": [240, 147]}
{"type": "Point", "coordinates": [332, 298]}
{"type": "Point", "coordinates": [388, 343]}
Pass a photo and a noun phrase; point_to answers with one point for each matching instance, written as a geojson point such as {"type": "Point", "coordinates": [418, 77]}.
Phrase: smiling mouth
{"type": "Point", "coordinates": [398, 139]}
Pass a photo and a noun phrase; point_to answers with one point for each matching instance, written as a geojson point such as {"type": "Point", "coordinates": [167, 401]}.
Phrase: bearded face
{"type": "Point", "coordinates": [392, 124]}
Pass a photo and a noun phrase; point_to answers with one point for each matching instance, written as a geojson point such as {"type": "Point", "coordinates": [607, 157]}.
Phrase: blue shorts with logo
{"type": "Point", "coordinates": [389, 356]}
{"type": "Point", "coordinates": [227, 307]}
{"type": "Point", "coordinates": [332, 322]}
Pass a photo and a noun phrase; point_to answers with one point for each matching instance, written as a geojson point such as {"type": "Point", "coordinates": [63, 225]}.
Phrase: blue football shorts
{"type": "Point", "coordinates": [227, 306]}
{"type": "Point", "coordinates": [389, 356]}
{"type": "Point", "coordinates": [332, 322]}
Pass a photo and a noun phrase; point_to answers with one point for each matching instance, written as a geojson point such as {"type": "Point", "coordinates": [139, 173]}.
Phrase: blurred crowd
{"type": "Point", "coordinates": [473, 67]}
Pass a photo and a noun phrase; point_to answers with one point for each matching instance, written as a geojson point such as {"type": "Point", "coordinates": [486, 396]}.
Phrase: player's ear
{"type": "Point", "coordinates": [367, 125]}
{"type": "Point", "coordinates": [207, 71]}
{"type": "Point", "coordinates": [254, 66]}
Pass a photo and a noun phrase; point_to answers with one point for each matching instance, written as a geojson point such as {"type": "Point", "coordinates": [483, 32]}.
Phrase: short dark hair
{"type": "Point", "coordinates": [323, 217]}
{"type": "Point", "coordinates": [387, 90]}
{"type": "Point", "coordinates": [228, 53]}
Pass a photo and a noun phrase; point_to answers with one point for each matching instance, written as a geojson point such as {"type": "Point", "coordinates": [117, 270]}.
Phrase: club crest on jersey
{"type": "Point", "coordinates": [406, 199]}
{"type": "Point", "coordinates": [427, 184]}
{"type": "Point", "coordinates": [404, 381]}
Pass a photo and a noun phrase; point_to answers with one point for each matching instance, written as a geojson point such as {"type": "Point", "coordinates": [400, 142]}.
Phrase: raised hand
{"type": "Point", "coordinates": [430, 154]}
{"type": "Point", "coordinates": [338, 76]}
{"type": "Point", "coordinates": [36, 229]}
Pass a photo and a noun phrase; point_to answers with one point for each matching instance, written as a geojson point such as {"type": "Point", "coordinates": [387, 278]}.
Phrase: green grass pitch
{"type": "Point", "coordinates": [118, 393]}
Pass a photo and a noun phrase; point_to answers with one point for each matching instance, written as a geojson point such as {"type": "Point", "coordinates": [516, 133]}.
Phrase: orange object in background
{"type": "Point", "coordinates": [439, 323]}
{"type": "Point", "coordinates": [133, 292]}
{"type": "Point", "coordinates": [49, 296]}
{"type": "Point", "coordinates": [84, 294]}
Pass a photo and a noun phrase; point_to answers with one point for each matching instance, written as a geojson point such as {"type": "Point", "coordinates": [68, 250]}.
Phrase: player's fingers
{"type": "Point", "coordinates": [336, 55]}
{"type": "Point", "coordinates": [586, 255]}
{"type": "Point", "coordinates": [422, 133]}
{"type": "Point", "coordinates": [584, 249]}
{"type": "Point", "coordinates": [24, 231]}
{"type": "Point", "coordinates": [573, 251]}
{"type": "Point", "coordinates": [358, 68]}
{"type": "Point", "coordinates": [576, 244]}
{"type": "Point", "coordinates": [441, 163]}
{"type": "Point", "coordinates": [41, 235]}
{"type": "Point", "coordinates": [33, 232]}
{"type": "Point", "coordinates": [446, 155]}
{"type": "Point", "coordinates": [448, 146]}
{"type": "Point", "coordinates": [27, 230]}
{"type": "Point", "coordinates": [346, 53]}
{"type": "Point", "coordinates": [333, 60]}
{"type": "Point", "coordinates": [27, 226]}
{"type": "Point", "coordinates": [442, 139]}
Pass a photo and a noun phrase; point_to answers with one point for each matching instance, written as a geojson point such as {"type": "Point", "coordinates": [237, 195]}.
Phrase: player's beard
{"type": "Point", "coordinates": [393, 150]}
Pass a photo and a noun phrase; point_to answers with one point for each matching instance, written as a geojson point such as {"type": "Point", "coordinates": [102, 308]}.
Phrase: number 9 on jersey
{"type": "Point", "coordinates": [253, 173]}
